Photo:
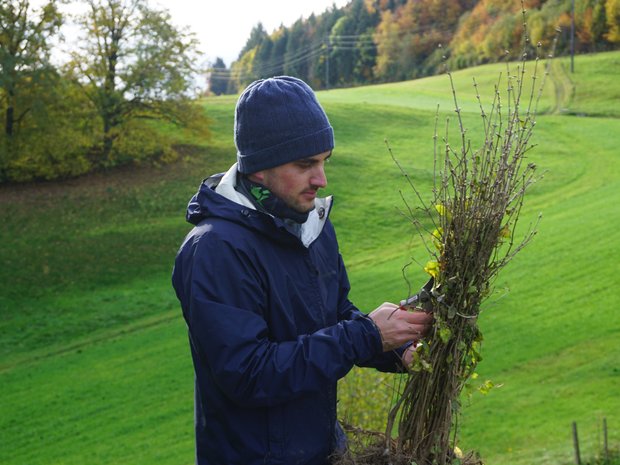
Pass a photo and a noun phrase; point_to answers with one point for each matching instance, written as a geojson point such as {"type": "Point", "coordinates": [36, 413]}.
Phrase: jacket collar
{"type": "Point", "coordinates": [310, 230]}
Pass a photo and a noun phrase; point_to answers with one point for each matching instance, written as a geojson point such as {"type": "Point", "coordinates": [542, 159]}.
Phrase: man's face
{"type": "Point", "coordinates": [297, 182]}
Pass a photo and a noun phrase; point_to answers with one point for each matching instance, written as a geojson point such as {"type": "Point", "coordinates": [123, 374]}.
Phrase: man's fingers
{"type": "Point", "coordinates": [417, 317]}
{"type": "Point", "coordinates": [398, 327]}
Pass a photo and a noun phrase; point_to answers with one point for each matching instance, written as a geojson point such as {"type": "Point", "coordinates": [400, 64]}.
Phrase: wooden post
{"type": "Point", "coordinates": [576, 444]}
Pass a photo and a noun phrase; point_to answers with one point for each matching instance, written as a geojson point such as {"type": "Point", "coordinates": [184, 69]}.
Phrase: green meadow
{"type": "Point", "coordinates": [94, 359]}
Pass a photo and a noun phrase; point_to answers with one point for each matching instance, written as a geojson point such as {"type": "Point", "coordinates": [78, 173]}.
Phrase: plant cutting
{"type": "Point", "coordinates": [471, 231]}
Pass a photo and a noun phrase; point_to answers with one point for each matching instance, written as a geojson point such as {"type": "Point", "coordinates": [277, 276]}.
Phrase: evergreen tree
{"type": "Point", "coordinates": [245, 69]}
{"type": "Point", "coordinates": [343, 49]}
{"type": "Point", "coordinates": [298, 51]}
{"type": "Point", "coordinates": [278, 51]}
{"type": "Point", "coordinates": [320, 74]}
{"type": "Point", "coordinates": [218, 77]}
{"type": "Point", "coordinates": [353, 48]}
{"type": "Point", "coordinates": [257, 36]}
{"type": "Point", "coordinates": [262, 65]}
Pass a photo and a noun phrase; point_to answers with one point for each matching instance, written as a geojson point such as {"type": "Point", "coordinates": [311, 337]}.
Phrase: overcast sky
{"type": "Point", "coordinates": [223, 26]}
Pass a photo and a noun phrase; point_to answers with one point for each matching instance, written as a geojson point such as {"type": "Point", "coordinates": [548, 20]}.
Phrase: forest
{"type": "Point", "coordinates": [378, 41]}
{"type": "Point", "coordinates": [127, 93]}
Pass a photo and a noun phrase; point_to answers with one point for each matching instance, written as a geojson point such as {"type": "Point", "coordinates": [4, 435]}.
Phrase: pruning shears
{"type": "Point", "coordinates": [421, 300]}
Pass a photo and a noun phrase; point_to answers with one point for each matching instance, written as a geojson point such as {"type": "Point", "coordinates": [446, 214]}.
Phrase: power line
{"type": "Point", "coordinates": [267, 68]}
{"type": "Point", "coordinates": [330, 44]}
{"type": "Point", "coordinates": [306, 54]}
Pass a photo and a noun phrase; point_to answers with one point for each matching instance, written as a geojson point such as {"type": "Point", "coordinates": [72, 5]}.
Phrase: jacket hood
{"type": "Point", "coordinates": [217, 197]}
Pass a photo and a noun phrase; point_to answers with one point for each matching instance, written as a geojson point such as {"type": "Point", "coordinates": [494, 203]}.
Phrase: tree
{"type": "Point", "coordinates": [24, 62]}
{"type": "Point", "coordinates": [319, 73]}
{"type": "Point", "coordinates": [343, 49]}
{"type": "Point", "coordinates": [54, 138]}
{"type": "Point", "coordinates": [218, 77]}
{"type": "Point", "coordinates": [612, 10]}
{"type": "Point", "coordinates": [246, 69]}
{"type": "Point", "coordinates": [353, 50]}
{"type": "Point", "coordinates": [598, 24]}
{"type": "Point", "coordinates": [299, 50]}
{"type": "Point", "coordinates": [134, 66]}
{"type": "Point", "coordinates": [367, 57]}
{"type": "Point", "coordinates": [257, 35]}
{"type": "Point", "coordinates": [387, 37]}
{"type": "Point", "coordinates": [279, 39]}
{"type": "Point", "coordinates": [262, 60]}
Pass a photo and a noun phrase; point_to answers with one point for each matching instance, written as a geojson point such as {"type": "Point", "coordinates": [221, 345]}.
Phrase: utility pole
{"type": "Point", "coordinates": [572, 37]}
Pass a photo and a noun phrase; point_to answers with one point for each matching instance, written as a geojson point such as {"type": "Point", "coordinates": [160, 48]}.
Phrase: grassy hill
{"type": "Point", "coordinates": [94, 363]}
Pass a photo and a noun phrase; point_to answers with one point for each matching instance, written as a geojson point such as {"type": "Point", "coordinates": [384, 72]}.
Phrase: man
{"type": "Point", "coordinates": [264, 292]}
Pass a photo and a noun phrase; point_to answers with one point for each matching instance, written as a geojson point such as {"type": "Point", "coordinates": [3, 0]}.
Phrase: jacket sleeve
{"type": "Point", "coordinates": [220, 290]}
{"type": "Point", "coordinates": [383, 361]}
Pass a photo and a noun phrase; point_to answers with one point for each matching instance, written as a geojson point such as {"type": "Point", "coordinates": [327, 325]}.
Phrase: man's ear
{"type": "Point", "coordinates": [258, 177]}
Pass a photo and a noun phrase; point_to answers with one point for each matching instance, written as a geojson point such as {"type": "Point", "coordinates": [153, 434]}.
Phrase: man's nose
{"type": "Point", "coordinates": [318, 178]}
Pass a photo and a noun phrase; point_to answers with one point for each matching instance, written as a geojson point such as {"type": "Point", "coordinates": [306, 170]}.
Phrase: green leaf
{"type": "Point", "coordinates": [445, 334]}
{"type": "Point", "coordinates": [486, 387]}
{"type": "Point", "coordinates": [451, 312]}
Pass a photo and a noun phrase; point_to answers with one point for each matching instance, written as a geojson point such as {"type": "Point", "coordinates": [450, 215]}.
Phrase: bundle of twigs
{"type": "Point", "coordinates": [477, 199]}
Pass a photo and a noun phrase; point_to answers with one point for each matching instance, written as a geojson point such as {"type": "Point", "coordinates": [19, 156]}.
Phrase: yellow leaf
{"type": "Point", "coordinates": [432, 268]}
{"type": "Point", "coordinates": [437, 235]}
{"type": "Point", "coordinates": [505, 231]}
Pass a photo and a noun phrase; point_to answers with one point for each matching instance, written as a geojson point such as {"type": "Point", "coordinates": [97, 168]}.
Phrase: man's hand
{"type": "Point", "coordinates": [399, 326]}
{"type": "Point", "coordinates": [407, 356]}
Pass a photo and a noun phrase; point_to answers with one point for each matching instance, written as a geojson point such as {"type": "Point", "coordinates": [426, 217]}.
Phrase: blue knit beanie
{"type": "Point", "coordinates": [279, 120]}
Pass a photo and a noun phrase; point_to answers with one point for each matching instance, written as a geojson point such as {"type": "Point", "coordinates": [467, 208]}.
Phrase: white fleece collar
{"type": "Point", "coordinates": [226, 188]}
{"type": "Point", "coordinates": [310, 230]}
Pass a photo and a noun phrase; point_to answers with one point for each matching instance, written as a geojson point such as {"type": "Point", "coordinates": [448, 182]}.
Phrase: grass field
{"type": "Point", "coordinates": [94, 362]}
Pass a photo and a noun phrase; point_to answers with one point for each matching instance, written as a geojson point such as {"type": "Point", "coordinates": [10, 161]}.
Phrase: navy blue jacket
{"type": "Point", "coordinates": [271, 331]}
